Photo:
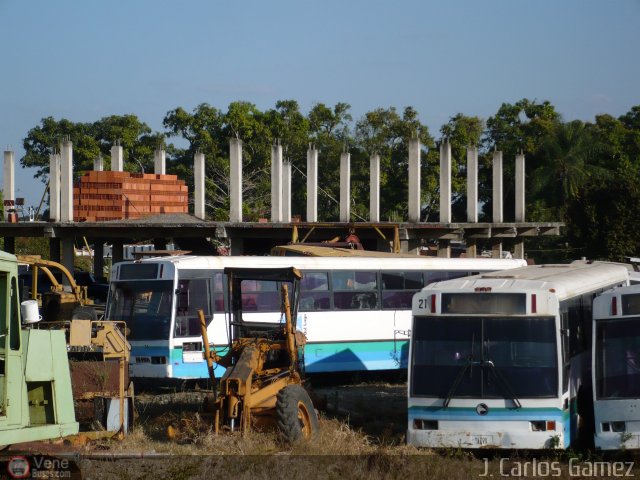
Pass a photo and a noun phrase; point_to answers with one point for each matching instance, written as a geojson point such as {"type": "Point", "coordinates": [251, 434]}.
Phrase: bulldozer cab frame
{"type": "Point", "coordinates": [262, 382]}
{"type": "Point", "coordinates": [264, 289]}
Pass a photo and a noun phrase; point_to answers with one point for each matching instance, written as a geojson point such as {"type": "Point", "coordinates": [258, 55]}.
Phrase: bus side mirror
{"type": "Point", "coordinates": [183, 297]}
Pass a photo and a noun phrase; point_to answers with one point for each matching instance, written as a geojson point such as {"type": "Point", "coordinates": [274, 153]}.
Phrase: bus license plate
{"type": "Point", "coordinates": [481, 440]}
{"type": "Point", "coordinates": [192, 357]}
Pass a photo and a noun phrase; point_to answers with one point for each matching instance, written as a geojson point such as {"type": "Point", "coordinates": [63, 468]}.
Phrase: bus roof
{"type": "Point", "coordinates": [567, 280]}
{"type": "Point", "coordinates": [331, 251]}
{"type": "Point", "coordinates": [342, 263]}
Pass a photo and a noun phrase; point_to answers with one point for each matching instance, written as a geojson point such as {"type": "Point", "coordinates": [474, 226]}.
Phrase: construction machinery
{"type": "Point", "coordinates": [262, 383]}
{"type": "Point", "coordinates": [98, 351]}
{"type": "Point", "coordinates": [60, 302]}
{"type": "Point", "coordinates": [35, 386]}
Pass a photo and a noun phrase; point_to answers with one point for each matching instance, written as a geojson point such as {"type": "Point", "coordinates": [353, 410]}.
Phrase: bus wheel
{"type": "Point", "coordinates": [295, 415]}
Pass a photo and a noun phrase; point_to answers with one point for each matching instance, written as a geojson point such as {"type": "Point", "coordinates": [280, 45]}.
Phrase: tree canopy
{"type": "Point", "coordinates": [584, 173]}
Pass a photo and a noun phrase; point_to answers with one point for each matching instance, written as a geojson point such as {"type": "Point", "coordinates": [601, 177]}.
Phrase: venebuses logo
{"type": "Point", "coordinates": [18, 467]}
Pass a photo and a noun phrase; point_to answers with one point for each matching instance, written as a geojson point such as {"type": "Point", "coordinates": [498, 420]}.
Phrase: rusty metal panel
{"type": "Point", "coordinates": [91, 379]}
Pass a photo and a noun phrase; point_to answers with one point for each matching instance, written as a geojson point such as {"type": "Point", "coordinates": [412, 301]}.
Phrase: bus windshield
{"type": "Point", "coordinates": [145, 306]}
{"type": "Point", "coordinates": [618, 358]}
{"type": "Point", "coordinates": [484, 357]}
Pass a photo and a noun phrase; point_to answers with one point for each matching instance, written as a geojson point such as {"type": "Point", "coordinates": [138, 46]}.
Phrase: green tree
{"type": "Point", "coordinates": [385, 132]}
{"type": "Point", "coordinates": [330, 133]}
{"type": "Point", "coordinates": [568, 152]}
{"type": "Point", "coordinates": [518, 127]}
{"type": "Point", "coordinates": [44, 140]}
{"type": "Point", "coordinates": [462, 132]}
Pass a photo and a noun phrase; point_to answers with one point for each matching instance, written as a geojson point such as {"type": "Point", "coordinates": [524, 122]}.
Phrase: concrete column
{"type": "Point", "coordinates": [519, 188]}
{"type": "Point", "coordinates": [312, 185]}
{"type": "Point", "coordinates": [98, 257]}
{"type": "Point", "coordinates": [496, 248]}
{"type": "Point", "coordinates": [286, 191]}
{"type": "Point", "coordinates": [497, 187]}
{"type": "Point", "coordinates": [198, 186]}
{"type": "Point", "coordinates": [472, 248]}
{"type": "Point", "coordinates": [518, 248]}
{"type": "Point", "coordinates": [472, 186]}
{"type": "Point", "coordinates": [54, 187]}
{"type": "Point", "coordinates": [159, 162]}
{"type": "Point", "coordinates": [66, 181]}
{"type": "Point", "coordinates": [68, 256]}
{"type": "Point", "coordinates": [98, 164]}
{"type": "Point", "coordinates": [276, 183]}
{"type": "Point", "coordinates": [235, 180]}
{"type": "Point", "coordinates": [445, 183]}
{"type": "Point", "coordinates": [414, 180]}
{"type": "Point", "coordinates": [345, 187]}
{"type": "Point", "coordinates": [9, 185]}
{"type": "Point", "coordinates": [374, 188]}
{"type": "Point", "coordinates": [444, 248]}
{"type": "Point", "coordinates": [117, 158]}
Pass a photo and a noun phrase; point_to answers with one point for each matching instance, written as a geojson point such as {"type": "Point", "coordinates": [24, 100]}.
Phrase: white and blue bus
{"type": "Point", "coordinates": [502, 360]}
{"type": "Point", "coordinates": [355, 312]}
{"type": "Point", "coordinates": [616, 368]}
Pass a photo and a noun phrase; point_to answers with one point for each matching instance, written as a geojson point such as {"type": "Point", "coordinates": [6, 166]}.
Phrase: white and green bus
{"type": "Point", "coordinates": [355, 312]}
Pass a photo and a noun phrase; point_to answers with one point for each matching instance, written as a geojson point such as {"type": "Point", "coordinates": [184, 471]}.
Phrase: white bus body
{"type": "Point", "coordinates": [500, 360]}
{"type": "Point", "coordinates": [356, 312]}
{"type": "Point", "coordinates": [616, 368]}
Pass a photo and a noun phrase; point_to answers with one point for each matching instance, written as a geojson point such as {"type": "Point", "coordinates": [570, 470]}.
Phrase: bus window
{"type": "Point", "coordinates": [398, 288]}
{"type": "Point", "coordinates": [261, 295]}
{"type": "Point", "coordinates": [187, 320]}
{"type": "Point", "coordinates": [218, 291]}
{"type": "Point", "coordinates": [314, 292]}
{"type": "Point", "coordinates": [355, 290]}
{"type": "Point", "coordinates": [144, 306]}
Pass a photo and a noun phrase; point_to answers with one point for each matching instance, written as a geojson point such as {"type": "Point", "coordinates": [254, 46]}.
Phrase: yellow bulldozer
{"type": "Point", "coordinates": [262, 383]}
{"type": "Point", "coordinates": [60, 302]}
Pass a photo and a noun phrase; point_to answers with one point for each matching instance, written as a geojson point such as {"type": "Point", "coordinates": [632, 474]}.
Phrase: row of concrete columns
{"type": "Point", "coordinates": [281, 185]}
{"type": "Point", "coordinates": [61, 183]}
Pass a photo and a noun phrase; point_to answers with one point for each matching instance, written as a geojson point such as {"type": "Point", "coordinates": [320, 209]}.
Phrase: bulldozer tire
{"type": "Point", "coordinates": [84, 313]}
{"type": "Point", "coordinates": [295, 415]}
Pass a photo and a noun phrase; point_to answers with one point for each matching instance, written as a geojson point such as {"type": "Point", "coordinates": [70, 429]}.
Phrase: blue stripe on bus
{"type": "Point", "coordinates": [495, 413]}
{"type": "Point", "coordinates": [319, 358]}
{"type": "Point", "coordinates": [355, 356]}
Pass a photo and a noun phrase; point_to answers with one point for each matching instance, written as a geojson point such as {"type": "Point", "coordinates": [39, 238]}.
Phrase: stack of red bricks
{"type": "Point", "coordinates": [104, 196]}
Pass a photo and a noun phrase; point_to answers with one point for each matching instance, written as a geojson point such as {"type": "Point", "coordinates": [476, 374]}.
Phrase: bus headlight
{"type": "Point", "coordinates": [543, 425]}
{"type": "Point", "coordinates": [618, 427]}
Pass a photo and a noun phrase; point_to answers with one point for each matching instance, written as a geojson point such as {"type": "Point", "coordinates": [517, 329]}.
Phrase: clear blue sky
{"type": "Point", "coordinates": [83, 60]}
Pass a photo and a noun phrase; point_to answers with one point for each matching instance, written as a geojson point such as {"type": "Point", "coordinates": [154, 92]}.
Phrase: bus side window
{"type": "Point", "coordinates": [398, 288]}
{"type": "Point", "coordinates": [218, 292]}
{"type": "Point", "coordinates": [355, 290]}
{"type": "Point", "coordinates": [314, 292]}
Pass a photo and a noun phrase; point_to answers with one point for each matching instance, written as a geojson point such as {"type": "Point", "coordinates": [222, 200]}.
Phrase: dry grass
{"type": "Point", "coordinates": [361, 436]}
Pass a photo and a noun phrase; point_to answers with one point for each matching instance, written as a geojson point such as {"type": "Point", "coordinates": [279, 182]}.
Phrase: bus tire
{"type": "Point", "coordinates": [295, 415]}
